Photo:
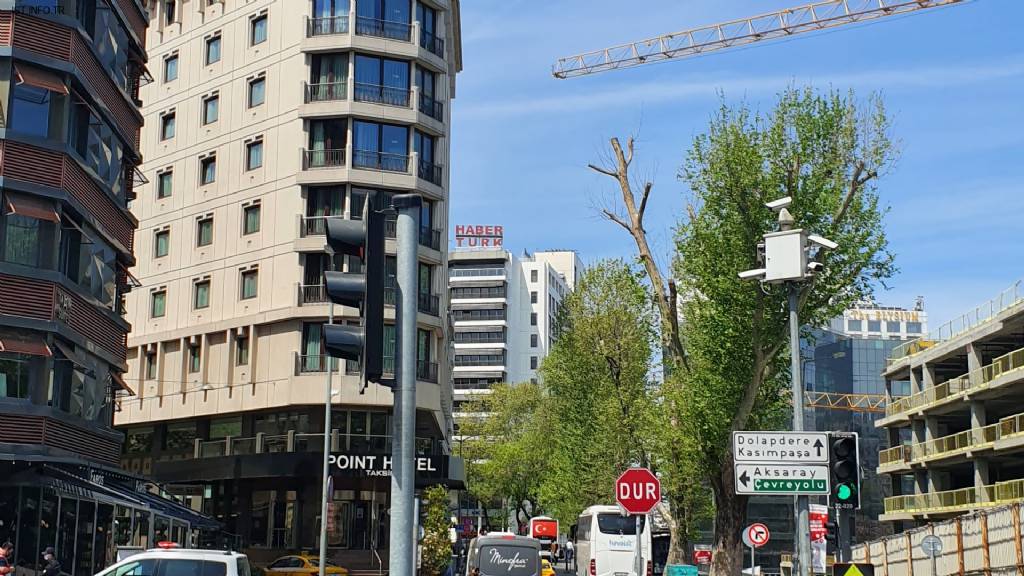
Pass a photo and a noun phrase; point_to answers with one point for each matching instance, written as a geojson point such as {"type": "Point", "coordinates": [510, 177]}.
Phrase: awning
{"type": "Point", "coordinates": [40, 78]}
{"type": "Point", "coordinates": [74, 357]}
{"type": "Point", "coordinates": [31, 207]}
{"type": "Point", "coordinates": [117, 381]}
{"type": "Point", "coordinates": [168, 507]}
{"type": "Point", "coordinates": [86, 239]}
{"type": "Point", "coordinates": [30, 347]}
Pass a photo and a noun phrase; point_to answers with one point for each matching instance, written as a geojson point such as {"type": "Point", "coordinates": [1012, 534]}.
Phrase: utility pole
{"type": "Point", "coordinates": [325, 494]}
{"type": "Point", "coordinates": [403, 464]}
{"type": "Point", "coordinates": [803, 518]}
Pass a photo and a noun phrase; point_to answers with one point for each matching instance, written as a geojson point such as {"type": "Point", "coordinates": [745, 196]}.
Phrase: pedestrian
{"type": "Point", "coordinates": [570, 549]}
{"type": "Point", "coordinates": [52, 567]}
{"type": "Point", "coordinates": [6, 552]}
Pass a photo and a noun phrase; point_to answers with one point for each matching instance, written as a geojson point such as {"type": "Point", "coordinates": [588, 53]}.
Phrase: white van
{"type": "Point", "coordinates": [605, 542]}
{"type": "Point", "coordinates": [173, 561]}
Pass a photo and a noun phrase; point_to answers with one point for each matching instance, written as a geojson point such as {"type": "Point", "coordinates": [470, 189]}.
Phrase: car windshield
{"type": "Point", "coordinates": [618, 524]}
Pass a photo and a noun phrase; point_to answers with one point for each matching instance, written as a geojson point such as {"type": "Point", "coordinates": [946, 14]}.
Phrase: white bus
{"type": "Point", "coordinates": [605, 541]}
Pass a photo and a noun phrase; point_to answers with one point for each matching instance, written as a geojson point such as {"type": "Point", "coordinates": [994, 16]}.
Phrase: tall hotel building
{"type": "Point", "coordinates": [266, 118]}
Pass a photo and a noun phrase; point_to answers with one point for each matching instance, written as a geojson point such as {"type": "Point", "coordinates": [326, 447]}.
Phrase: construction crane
{"type": "Point", "coordinates": [851, 402]}
{"type": "Point", "coordinates": [779, 24]}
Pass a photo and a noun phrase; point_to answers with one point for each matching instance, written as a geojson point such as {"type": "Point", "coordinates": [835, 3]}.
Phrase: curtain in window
{"type": "Point", "coordinates": [311, 346]}
{"type": "Point", "coordinates": [367, 144]}
{"type": "Point", "coordinates": [389, 347]}
{"type": "Point", "coordinates": [22, 240]}
{"type": "Point", "coordinates": [317, 135]}
{"type": "Point", "coordinates": [205, 232]}
{"type": "Point", "coordinates": [396, 74]}
{"type": "Point", "coordinates": [252, 219]}
{"type": "Point", "coordinates": [370, 9]}
{"type": "Point", "coordinates": [424, 279]}
{"type": "Point", "coordinates": [397, 10]}
{"type": "Point", "coordinates": [256, 92]}
{"type": "Point", "coordinates": [259, 30]}
{"type": "Point", "coordinates": [395, 140]}
{"type": "Point", "coordinates": [426, 79]}
{"type": "Point", "coordinates": [330, 8]}
{"type": "Point", "coordinates": [159, 302]}
{"type": "Point", "coordinates": [255, 159]}
{"type": "Point", "coordinates": [213, 50]}
{"type": "Point", "coordinates": [422, 346]}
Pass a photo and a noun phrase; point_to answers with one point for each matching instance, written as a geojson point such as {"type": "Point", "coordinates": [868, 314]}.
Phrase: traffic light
{"type": "Point", "coordinates": [365, 240]}
{"type": "Point", "coordinates": [831, 531]}
{"type": "Point", "coordinates": [845, 469]}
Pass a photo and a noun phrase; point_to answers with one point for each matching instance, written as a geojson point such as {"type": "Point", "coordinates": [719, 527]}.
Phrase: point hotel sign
{"type": "Point", "coordinates": [478, 236]}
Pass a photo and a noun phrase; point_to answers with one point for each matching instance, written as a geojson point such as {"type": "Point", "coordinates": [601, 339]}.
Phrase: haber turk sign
{"type": "Point", "coordinates": [478, 236]}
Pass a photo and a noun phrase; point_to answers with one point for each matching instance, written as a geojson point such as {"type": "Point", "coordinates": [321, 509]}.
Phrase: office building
{"type": "Point", "coordinates": [954, 419]}
{"type": "Point", "coordinates": [69, 80]}
{"type": "Point", "coordinates": [267, 118]}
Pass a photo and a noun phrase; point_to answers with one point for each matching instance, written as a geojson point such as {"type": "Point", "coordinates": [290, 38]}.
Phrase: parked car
{"type": "Point", "coordinates": [170, 560]}
{"type": "Point", "coordinates": [546, 569]}
{"type": "Point", "coordinates": [303, 564]}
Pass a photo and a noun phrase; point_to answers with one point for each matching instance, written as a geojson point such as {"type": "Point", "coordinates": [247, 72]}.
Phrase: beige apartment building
{"type": "Point", "coordinates": [265, 118]}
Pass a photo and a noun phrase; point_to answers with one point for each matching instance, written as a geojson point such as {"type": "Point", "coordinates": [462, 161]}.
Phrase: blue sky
{"type": "Point", "coordinates": [952, 78]}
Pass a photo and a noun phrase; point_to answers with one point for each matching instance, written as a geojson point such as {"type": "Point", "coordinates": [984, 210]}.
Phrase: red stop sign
{"type": "Point", "coordinates": [638, 491]}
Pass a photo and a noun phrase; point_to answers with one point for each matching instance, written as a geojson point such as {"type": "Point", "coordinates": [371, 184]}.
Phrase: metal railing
{"type": "Point", "coordinates": [213, 448]}
{"type": "Point", "coordinates": [956, 387]}
{"type": "Point", "coordinates": [430, 238]}
{"type": "Point", "coordinates": [430, 172]}
{"type": "Point", "coordinates": [315, 225]}
{"type": "Point", "coordinates": [468, 315]}
{"type": "Point", "coordinates": [352, 367]}
{"type": "Point", "coordinates": [328, 158]}
{"type": "Point", "coordinates": [980, 315]}
{"type": "Point", "coordinates": [326, 26]}
{"type": "Point", "coordinates": [431, 107]}
{"type": "Point", "coordinates": [1011, 426]}
{"type": "Point", "coordinates": [384, 161]}
{"type": "Point", "coordinates": [479, 338]}
{"type": "Point", "coordinates": [473, 360]}
{"type": "Point", "coordinates": [312, 294]}
{"type": "Point", "coordinates": [383, 28]}
{"type": "Point", "coordinates": [387, 95]}
{"type": "Point", "coordinates": [947, 500]}
{"type": "Point", "coordinates": [310, 363]}
{"type": "Point", "coordinates": [243, 446]}
{"type": "Point", "coordinates": [428, 303]}
{"type": "Point", "coordinates": [894, 455]}
{"type": "Point", "coordinates": [432, 43]}
{"type": "Point", "coordinates": [426, 371]}
{"type": "Point", "coordinates": [325, 92]}
{"type": "Point", "coordinates": [475, 272]}
{"type": "Point", "coordinates": [974, 438]}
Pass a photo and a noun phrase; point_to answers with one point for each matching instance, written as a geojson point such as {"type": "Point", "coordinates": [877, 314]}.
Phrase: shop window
{"type": "Point", "coordinates": [28, 525]}
{"type": "Point", "coordinates": [140, 531]}
{"type": "Point", "coordinates": [48, 507]}
{"type": "Point", "coordinates": [67, 530]}
{"type": "Point", "coordinates": [103, 542]}
{"type": "Point", "coordinates": [9, 514]}
{"type": "Point", "coordinates": [83, 561]}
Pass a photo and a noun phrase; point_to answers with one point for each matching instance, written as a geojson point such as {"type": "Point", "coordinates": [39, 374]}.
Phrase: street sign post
{"type": "Point", "coordinates": [638, 491]}
{"type": "Point", "coordinates": [932, 547]}
{"type": "Point", "coordinates": [755, 536]}
{"type": "Point", "coordinates": [781, 479]}
{"type": "Point", "coordinates": [780, 447]}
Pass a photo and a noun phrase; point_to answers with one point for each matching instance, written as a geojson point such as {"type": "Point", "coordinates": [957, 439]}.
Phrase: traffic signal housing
{"type": "Point", "coordinates": [364, 290]}
{"type": "Point", "coordinates": [831, 531]}
{"type": "Point", "coordinates": [844, 466]}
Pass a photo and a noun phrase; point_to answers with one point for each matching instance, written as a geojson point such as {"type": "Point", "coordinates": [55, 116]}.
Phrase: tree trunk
{"type": "Point", "coordinates": [730, 519]}
{"type": "Point", "coordinates": [678, 532]}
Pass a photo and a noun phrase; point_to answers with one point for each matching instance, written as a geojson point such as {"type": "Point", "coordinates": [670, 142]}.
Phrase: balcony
{"type": "Point", "coordinates": [329, 158]}
{"type": "Point", "coordinates": [312, 294]}
{"type": "Point", "coordinates": [325, 92]}
{"type": "Point", "coordinates": [314, 225]}
{"type": "Point", "coordinates": [431, 107]}
{"type": "Point", "coordinates": [426, 371]}
{"type": "Point", "coordinates": [476, 272]}
{"type": "Point", "coordinates": [428, 303]}
{"type": "Point", "coordinates": [313, 363]}
{"type": "Point", "coordinates": [430, 172]}
{"type": "Point", "coordinates": [960, 500]}
{"type": "Point", "coordinates": [432, 43]}
{"type": "Point", "coordinates": [294, 441]}
{"type": "Point", "coordinates": [383, 29]}
{"type": "Point", "coordinates": [328, 26]}
{"type": "Point", "coordinates": [993, 436]}
{"type": "Point", "coordinates": [430, 238]}
{"type": "Point", "coordinates": [386, 95]}
{"type": "Point", "coordinates": [383, 161]}
{"type": "Point", "coordinates": [479, 338]}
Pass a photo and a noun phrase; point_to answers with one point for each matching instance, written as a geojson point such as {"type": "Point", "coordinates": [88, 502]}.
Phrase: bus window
{"type": "Point", "coordinates": [618, 524]}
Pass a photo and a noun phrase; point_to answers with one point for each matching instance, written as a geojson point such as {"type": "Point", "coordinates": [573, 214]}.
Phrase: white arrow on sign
{"type": "Point", "coordinates": [781, 479]}
{"type": "Point", "coordinates": [780, 447]}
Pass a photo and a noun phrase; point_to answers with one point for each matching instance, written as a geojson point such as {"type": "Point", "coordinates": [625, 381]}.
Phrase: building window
{"type": "Point", "coordinates": [874, 325]}
{"type": "Point", "coordinates": [380, 146]}
{"type": "Point", "coordinates": [194, 358]}
{"type": "Point", "coordinates": [208, 170]}
{"type": "Point", "coordinates": [241, 351]}
{"type": "Point", "coordinates": [161, 243]}
{"type": "Point", "coordinates": [211, 110]}
{"type": "Point", "coordinates": [257, 91]}
{"type": "Point", "coordinates": [22, 245]}
{"type": "Point", "coordinates": [164, 184]}
{"type": "Point", "coordinates": [533, 318]}
{"type": "Point", "coordinates": [533, 340]}
{"type": "Point", "coordinates": [250, 280]}
{"type": "Point", "coordinates": [258, 27]}
{"type": "Point", "coordinates": [533, 275]}
{"type": "Point", "coordinates": [167, 126]}
{"type": "Point", "coordinates": [892, 326]}
{"type": "Point", "coordinates": [201, 296]}
{"type": "Point", "coordinates": [170, 11]}
{"type": "Point", "coordinates": [158, 304]}
{"type": "Point", "coordinates": [171, 68]}
{"type": "Point", "coordinates": [204, 231]}
{"type": "Point", "coordinates": [854, 325]}
{"type": "Point", "coordinates": [914, 327]}
{"type": "Point", "coordinates": [251, 219]}
{"type": "Point", "coordinates": [533, 297]}
{"type": "Point", "coordinates": [212, 50]}
{"type": "Point", "coordinates": [254, 155]}
{"type": "Point", "coordinates": [533, 362]}
{"type": "Point", "coordinates": [150, 365]}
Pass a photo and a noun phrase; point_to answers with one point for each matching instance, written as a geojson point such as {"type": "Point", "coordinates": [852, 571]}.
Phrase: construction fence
{"type": "Point", "coordinates": [986, 543]}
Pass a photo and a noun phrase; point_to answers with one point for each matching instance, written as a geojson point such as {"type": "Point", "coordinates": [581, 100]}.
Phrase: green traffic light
{"type": "Point", "coordinates": [844, 492]}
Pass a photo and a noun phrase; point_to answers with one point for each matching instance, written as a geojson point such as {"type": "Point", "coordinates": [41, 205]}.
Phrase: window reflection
{"type": "Point", "coordinates": [97, 144]}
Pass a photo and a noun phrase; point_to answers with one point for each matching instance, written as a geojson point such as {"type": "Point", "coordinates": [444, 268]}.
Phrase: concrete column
{"type": "Point", "coordinates": [981, 468]}
{"type": "Point", "coordinates": [931, 432]}
{"type": "Point", "coordinates": [915, 382]}
{"type": "Point", "coordinates": [928, 374]}
{"type": "Point", "coordinates": [974, 363]}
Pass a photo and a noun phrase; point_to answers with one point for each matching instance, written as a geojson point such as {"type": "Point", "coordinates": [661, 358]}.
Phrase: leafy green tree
{"type": "Point", "coordinates": [727, 345]}
{"type": "Point", "coordinates": [436, 545]}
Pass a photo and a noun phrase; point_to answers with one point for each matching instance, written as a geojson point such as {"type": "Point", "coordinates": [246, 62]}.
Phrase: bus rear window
{"type": "Point", "coordinates": [508, 561]}
{"type": "Point", "coordinates": [619, 525]}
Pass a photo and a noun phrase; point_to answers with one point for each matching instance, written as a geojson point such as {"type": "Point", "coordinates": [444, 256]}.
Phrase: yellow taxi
{"type": "Point", "coordinates": [303, 564]}
{"type": "Point", "coordinates": [545, 568]}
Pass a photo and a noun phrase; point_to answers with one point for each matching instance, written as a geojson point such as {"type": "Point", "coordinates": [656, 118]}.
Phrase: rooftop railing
{"type": "Point", "coordinates": [980, 315]}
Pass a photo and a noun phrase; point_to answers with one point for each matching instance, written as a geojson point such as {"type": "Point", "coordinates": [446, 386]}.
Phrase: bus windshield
{"type": "Point", "coordinates": [619, 525]}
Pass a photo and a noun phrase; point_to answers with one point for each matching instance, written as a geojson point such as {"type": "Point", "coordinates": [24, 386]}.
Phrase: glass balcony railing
{"type": "Point", "coordinates": [953, 444]}
{"type": "Point", "coordinates": [326, 26]}
{"type": "Point", "coordinates": [325, 92]}
{"type": "Point", "coordinates": [328, 158]}
{"type": "Point", "coordinates": [980, 315]}
{"type": "Point", "coordinates": [383, 29]}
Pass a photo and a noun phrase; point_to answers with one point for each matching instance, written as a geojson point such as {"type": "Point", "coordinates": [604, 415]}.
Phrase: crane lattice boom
{"type": "Point", "coordinates": [851, 402]}
{"type": "Point", "coordinates": [780, 24]}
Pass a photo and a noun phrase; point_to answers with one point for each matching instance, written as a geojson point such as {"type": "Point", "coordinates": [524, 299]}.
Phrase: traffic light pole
{"type": "Point", "coordinates": [325, 497]}
{"type": "Point", "coordinates": [403, 465]}
{"type": "Point", "coordinates": [803, 519]}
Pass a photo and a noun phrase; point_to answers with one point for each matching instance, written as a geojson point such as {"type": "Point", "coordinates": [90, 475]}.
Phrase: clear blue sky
{"type": "Point", "coordinates": [953, 79]}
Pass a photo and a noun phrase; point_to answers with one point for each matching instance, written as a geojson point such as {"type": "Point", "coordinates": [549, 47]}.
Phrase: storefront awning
{"type": "Point", "coordinates": [39, 78]}
{"type": "Point", "coordinates": [167, 507]}
{"type": "Point", "coordinates": [31, 207]}
{"type": "Point", "coordinates": [30, 347]}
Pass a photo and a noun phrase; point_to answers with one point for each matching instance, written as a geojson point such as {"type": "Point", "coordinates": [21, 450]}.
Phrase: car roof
{"type": "Point", "coordinates": [189, 552]}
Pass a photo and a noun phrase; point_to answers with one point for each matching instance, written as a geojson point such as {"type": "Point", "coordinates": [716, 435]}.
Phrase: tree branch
{"type": "Point", "coordinates": [604, 171]}
{"type": "Point", "coordinates": [611, 216]}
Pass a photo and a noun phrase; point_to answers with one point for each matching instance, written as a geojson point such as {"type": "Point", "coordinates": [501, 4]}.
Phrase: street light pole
{"type": "Point", "coordinates": [803, 520]}
{"type": "Point", "coordinates": [325, 497]}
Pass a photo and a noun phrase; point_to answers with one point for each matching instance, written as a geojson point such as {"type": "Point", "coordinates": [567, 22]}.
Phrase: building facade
{"type": "Point", "coordinates": [69, 147]}
{"type": "Point", "coordinates": [954, 419]}
{"type": "Point", "coordinates": [265, 119]}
